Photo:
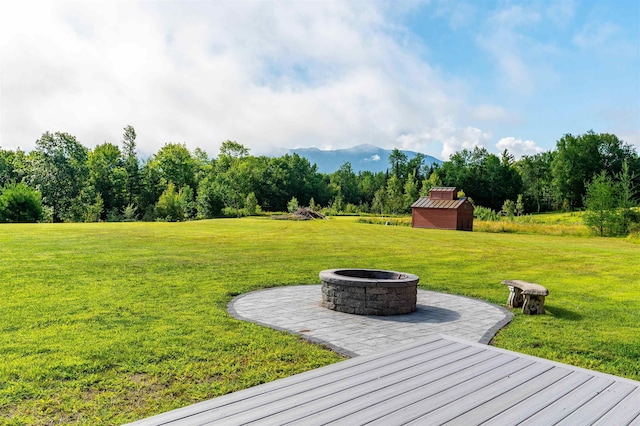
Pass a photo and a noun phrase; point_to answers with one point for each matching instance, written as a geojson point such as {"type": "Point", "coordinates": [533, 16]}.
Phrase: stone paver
{"type": "Point", "coordinates": [297, 309]}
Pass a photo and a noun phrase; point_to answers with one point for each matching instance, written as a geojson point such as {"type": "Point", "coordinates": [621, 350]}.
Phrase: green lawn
{"type": "Point", "coordinates": [112, 322]}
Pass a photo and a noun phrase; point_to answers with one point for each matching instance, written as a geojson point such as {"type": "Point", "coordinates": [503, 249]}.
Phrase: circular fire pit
{"type": "Point", "coordinates": [369, 291]}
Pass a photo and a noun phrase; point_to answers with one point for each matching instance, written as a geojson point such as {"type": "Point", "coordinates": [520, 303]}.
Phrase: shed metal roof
{"type": "Point", "coordinates": [428, 203]}
{"type": "Point", "coordinates": [443, 189]}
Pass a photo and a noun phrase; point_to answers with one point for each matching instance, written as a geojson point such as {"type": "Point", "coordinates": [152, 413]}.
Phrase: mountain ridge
{"type": "Point", "coordinates": [363, 157]}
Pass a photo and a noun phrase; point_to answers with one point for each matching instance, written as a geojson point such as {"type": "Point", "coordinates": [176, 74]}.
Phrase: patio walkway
{"type": "Point", "coordinates": [297, 309]}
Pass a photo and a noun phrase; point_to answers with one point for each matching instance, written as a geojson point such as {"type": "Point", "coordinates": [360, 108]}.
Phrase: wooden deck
{"type": "Point", "coordinates": [435, 381]}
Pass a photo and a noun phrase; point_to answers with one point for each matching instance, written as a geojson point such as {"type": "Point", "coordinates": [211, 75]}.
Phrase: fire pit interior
{"type": "Point", "coordinates": [369, 291]}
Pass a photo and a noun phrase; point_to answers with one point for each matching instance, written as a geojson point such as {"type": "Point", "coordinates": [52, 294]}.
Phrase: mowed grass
{"type": "Point", "coordinates": [112, 322]}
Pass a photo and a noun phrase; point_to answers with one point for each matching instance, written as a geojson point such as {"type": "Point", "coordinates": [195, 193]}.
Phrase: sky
{"type": "Point", "coordinates": [429, 76]}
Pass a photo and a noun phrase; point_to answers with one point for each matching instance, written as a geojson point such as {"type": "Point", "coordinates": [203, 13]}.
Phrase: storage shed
{"type": "Point", "coordinates": [442, 209]}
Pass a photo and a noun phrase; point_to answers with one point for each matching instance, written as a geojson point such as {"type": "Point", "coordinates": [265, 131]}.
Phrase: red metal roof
{"type": "Point", "coordinates": [428, 203]}
{"type": "Point", "coordinates": [443, 189]}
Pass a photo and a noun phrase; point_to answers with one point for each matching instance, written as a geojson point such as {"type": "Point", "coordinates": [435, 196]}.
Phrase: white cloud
{"type": "Point", "coordinates": [518, 147]}
{"type": "Point", "coordinates": [605, 38]}
{"type": "Point", "coordinates": [266, 74]}
{"type": "Point", "coordinates": [446, 133]}
{"type": "Point", "coordinates": [261, 73]}
{"type": "Point", "coordinates": [486, 112]}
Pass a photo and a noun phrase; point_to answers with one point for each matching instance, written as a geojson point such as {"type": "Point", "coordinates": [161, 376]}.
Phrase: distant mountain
{"type": "Point", "coordinates": [361, 157]}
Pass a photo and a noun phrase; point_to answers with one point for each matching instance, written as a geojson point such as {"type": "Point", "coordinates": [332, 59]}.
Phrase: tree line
{"type": "Point", "coordinates": [63, 181]}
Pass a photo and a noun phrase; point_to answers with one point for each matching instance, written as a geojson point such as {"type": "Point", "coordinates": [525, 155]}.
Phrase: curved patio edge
{"type": "Point", "coordinates": [297, 310]}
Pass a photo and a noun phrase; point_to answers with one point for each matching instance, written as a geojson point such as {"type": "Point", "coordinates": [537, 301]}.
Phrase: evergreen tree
{"type": "Point", "coordinates": [131, 165]}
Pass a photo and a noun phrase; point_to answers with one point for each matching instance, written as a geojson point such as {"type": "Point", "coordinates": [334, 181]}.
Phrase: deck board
{"type": "Point", "coordinates": [537, 401]}
{"type": "Point", "coordinates": [435, 381]}
{"type": "Point", "coordinates": [625, 412]}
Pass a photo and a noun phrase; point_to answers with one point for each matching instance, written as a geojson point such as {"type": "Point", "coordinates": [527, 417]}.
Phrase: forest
{"type": "Point", "coordinates": [61, 180]}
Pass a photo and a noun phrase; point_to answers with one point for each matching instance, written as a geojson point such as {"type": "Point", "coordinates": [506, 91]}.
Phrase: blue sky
{"type": "Point", "coordinates": [430, 76]}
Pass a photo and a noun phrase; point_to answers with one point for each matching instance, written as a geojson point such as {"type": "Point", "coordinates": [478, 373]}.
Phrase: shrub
{"type": "Point", "coordinates": [351, 209]}
{"type": "Point", "coordinates": [485, 213]}
{"type": "Point", "coordinates": [251, 204]}
{"type": "Point", "coordinates": [509, 209]}
{"type": "Point", "coordinates": [129, 214]}
{"type": "Point", "coordinates": [93, 211]}
{"type": "Point", "coordinates": [113, 215]}
{"type": "Point", "coordinates": [20, 203]}
{"type": "Point", "coordinates": [292, 205]}
{"type": "Point", "coordinates": [234, 212]}
{"type": "Point", "coordinates": [313, 206]}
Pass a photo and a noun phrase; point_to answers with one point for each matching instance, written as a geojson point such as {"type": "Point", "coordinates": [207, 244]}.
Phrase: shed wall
{"type": "Point", "coordinates": [434, 218]}
{"type": "Point", "coordinates": [465, 217]}
{"type": "Point", "coordinates": [442, 195]}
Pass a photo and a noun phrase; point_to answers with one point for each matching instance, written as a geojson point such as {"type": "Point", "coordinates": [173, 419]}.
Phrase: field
{"type": "Point", "coordinates": [112, 322]}
{"type": "Point", "coordinates": [537, 224]}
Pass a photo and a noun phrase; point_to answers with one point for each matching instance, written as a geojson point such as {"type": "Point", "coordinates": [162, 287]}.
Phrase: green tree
{"type": "Point", "coordinates": [626, 197]}
{"type": "Point", "coordinates": [535, 171]}
{"type": "Point", "coordinates": [176, 165]}
{"type": "Point", "coordinates": [338, 205]}
{"type": "Point", "coordinates": [210, 199]}
{"type": "Point", "coordinates": [230, 151]}
{"type": "Point", "coordinates": [238, 179]}
{"type": "Point", "coordinates": [20, 203]}
{"type": "Point", "coordinates": [415, 166]}
{"type": "Point", "coordinates": [59, 172]}
{"type": "Point", "coordinates": [13, 166]}
{"type": "Point", "coordinates": [130, 213]}
{"type": "Point", "coordinates": [292, 205]}
{"type": "Point", "coordinates": [251, 204]}
{"type": "Point", "coordinates": [380, 201]}
{"type": "Point", "coordinates": [600, 201]}
{"type": "Point", "coordinates": [108, 177]}
{"type": "Point", "coordinates": [432, 181]}
{"type": "Point", "coordinates": [368, 184]}
{"type": "Point", "coordinates": [395, 195]}
{"type": "Point", "coordinates": [519, 206]}
{"type": "Point", "coordinates": [579, 158]}
{"type": "Point", "coordinates": [398, 162]}
{"type": "Point", "coordinates": [291, 176]}
{"type": "Point", "coordinates": [131, 165]}
{"type": "Point", "coordinates": [346, 183]}
{"type": "Point", "coordinates": [152, 187]}
{"type": "Point", "coordinates": [93, 212]}
{"type": "Point", "coordinates": [171, 205]}
{"type": "Point", "coordinates": [313, 206]}
{"type": "Point", "coordinates": [6, 167]}
{"type": "Point", "coordinates": [410, 191]}
{"type": "Point", "coordinates": [508, 208]}
{"type": "Point", "coordinates": [233, 149]}
{"type": "Point", "coordinates": [485, 177]}
{"type": "Point", "coordinates": [188, 201]}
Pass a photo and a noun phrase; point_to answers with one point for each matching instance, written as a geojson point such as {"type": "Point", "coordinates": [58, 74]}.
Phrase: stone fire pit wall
{"type": "Point", "coordinates": [369, 291]}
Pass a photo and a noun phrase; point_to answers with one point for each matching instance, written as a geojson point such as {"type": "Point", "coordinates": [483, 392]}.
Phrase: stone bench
{"type": "Point", "coordinates": [528, 295]}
